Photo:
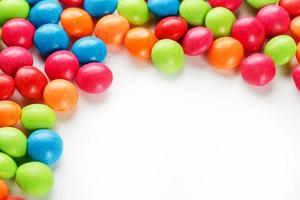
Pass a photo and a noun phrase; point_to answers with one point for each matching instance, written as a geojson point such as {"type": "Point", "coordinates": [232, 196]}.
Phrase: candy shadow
{"type": "Point", "coordinates": [261, 91]}
{"type": "Point", "coordinates": [95, 98]}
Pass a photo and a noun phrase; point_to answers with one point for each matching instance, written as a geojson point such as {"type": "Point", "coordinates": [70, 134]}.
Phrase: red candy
{"type": "Point", "coordinates": [15, 198]}
{"type": "Point", "coordinates": [94, 78]}
{"type": "Point", "coordinates": [30, 82]}
{"type": "Point", "coordinates": [71, 2]}
{"type": "Point", "coordinates": [171, 28]}
{"type": "Point", "coordinates": [296, 77]}
{"type": "Point", "coordinates": [13, 58]}
{"type": "Point", "coordinates": [250, 32]}
{"type": "Point", "coordinates": [291, 6]}
{"type": "Point", "coordinates": [258, 69]}
{"type": "Point", "coordinates": [61, 65]}
{"type": "Point", "coordinates": [18, 32]}
{"type": "Point", "coordinates": [229, 4]}
{"type": "Point", "coordinates": [7, 86]}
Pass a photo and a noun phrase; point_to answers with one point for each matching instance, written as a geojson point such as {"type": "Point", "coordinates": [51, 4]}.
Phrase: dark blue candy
{"type": "Point", "coordinates": [164, 8]}
{"type": "Point", "coordinates": [99, 8]}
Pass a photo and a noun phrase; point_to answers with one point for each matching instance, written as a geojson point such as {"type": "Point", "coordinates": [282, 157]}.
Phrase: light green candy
{"type": "Point", "coordinates": [261, 3]}
{"type": "Point", "coordinates": [135, 11]}
{"type": "Point", "coordinates": [194, 11]}
{"type": "Point", "coordinates": [8, 166]}
{"type": "Point", "coordinates": [168, 56]}
{"type": "Point", "coordinates": [38, 116]}
{"type": "Point", "coordinates": [281, 49]}
{"type": "Point", "coordinates": [13, 142]}
{"type": "Point", "coordinates": [10, 9]}
{"type": "Point", "coordinates": [34, 178]}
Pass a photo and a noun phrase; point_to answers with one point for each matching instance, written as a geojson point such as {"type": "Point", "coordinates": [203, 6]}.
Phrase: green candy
{"type": "Point", "coordinates": [38, 116]}
{"type": "Point", "coordinates": [34, 178]}
{"type": "Point", "coordinates": [10, 9]}
{"type": "Point", "coordinates": [281, 49]}
{"type": "Point", "coordinates": [194, 11]}
{"type": "Point", "coordinates": [13, 142]}
{"type": "Point", "coordinates": [220, 21]}
{"type": "Point", "coordinates": [135, 11]}
{"type": "Point", "coordinates": [168, 56]}
{"type": "Point", "coordinates": [261, 3]}
{"type": "Point", "coordinates": [8, 166]}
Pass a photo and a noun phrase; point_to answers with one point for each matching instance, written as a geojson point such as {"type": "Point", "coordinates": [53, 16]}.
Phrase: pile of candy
{"type": "Point", "coordinates": [73, 44]}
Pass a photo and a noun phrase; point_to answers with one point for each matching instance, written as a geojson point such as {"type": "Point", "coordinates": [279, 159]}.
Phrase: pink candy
{"type": "Point", "coordinates": [296, 77]}
{"type": "Point", "coordinates": [230, 4]}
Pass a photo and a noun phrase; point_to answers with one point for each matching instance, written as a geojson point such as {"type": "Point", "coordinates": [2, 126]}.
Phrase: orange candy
{"type": "Point", "coordinates": [3, 190]}
{"type": "Point", "coordinates": [10, 113]}
{"type": "Point", "coordinates": [60, 95]}
{"type": "Point", "coordinates": [226, 53]}
{"type": "Point", "coordinates": [298, 53]}
{"type": "Point", "coordinates": [295, 27]}
{"type": "Point", "coordinates": [139, 42]}
{"type": "Point", "coordinates": [77, 22]}
{"type": "Point", "coordinates": [112, 29]}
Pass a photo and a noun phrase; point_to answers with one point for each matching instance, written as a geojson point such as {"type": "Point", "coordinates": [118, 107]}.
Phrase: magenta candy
{"type": "Point", "coordinates": [197, 41]}
{"type": "Point", "coordinates": [94, 78]}
{"type": "Point", "coordinates": [296, 77]}
{"type": "Point", "coordinates": [275, 19]}
{"type": "Point", "coordinates": [7, 86]}
{"type": "Point", "coordinates": [229, 4]}
{"type": "Point", "coordinates": [18, 32]}
{"type": "Point", "coordinates": [171, 28]}
{"type": "Point", "coordinates": [258, 69]}
{"type": "Point", "coordinates": [250, 32]}
{"type": "Point", "coordinates": [61, 65]}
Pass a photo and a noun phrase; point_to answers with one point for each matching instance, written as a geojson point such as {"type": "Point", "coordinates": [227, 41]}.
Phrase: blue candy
{"type": "Point", "coordinates": [164, 8]}
{"type": "Point", "coordinates": [89, 49]}
{"type": "Point", "coordinates": [32, 2]}
{"type": "Point", "coordinates": [45, 145]}
{"type": "Point", "coordinates": [99, 8]}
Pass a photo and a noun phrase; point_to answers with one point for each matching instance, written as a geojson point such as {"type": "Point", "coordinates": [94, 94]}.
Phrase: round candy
{"type": "Point", "coordinates": [94, 78]}
{"type": "Point", "coordinates": [10, 113]}
{"type": "Point", "coordinates": [191, 8]}
{"type": "Point", "coordinates": [34, 178]}
{"type": "Point", "coordinates": [89, 49]}
{"type": "Point", "coordinates": [275, 19]}
{"type": "Point", "coordinates": [13, 142]}
{"type": "Point", "coordinates": [250, 32]}
{"type": "Point", "coordinates": [168, 56]}
{"type": "Point", "coordinates": [226, 53]}
{"type": "Point", "coordinates": [13, 58]}
{"type": "Point", "coordinates": [296, 77]}
{"type": "Point", "coordinates": [15, 198]}
{"type": "Point", "coordinates": [197, 41]}
{"type": "Point", "coordinates": [139, 42]}
{"type": "Point", "coordinates": [171, 28]}
{"type": "Point", "coordinates": [8, 166]}
{"type": "Point", "coordinates": [50, 38]}
{"type": "Point", "coordinates": [10, 9]}
{"type": "Point", "coordinates": [229, 4]}
{"type": "Point", "coordinates": [112, 29]}
{"type": "Point", "coordinates": [135, 11]}
{"type": "Point", "coordinates": [295, 27]}
{"type": "Point", "coordinates": [298, 53]}
{"type": "Point", "coordinates": [45, 145]}
{"type": "Point", "coordinates": [60, 95]}
{"type": "Point", "coordinates": [281, 49]}
{"type": "Point", "coordinates": [77, 22]}
{"type": "Point", "coordinates": [261, 3]}
{"type": "Point", "coordinates": [164, 8]}
{"type": "Point", "coordinates": [99, 8]}
{"type": "Point", "coordinates": [220, 21]}
{"type": "Point", "coordinates": [71, 2]}
{"type": "Point", "coordinates": [292, 6]}
{"type": "Point", "coordinates": [32, 2]}
{"type": "Point", "coordinates": [18, 32]}
{"type": "Point", "coordinates": [30, 82]}
{"type": "Point", "coordinates": [3, 190]}
{"type": "Point", "coordinates": [7, 85]}
{"type": "Point", "coordinates": [61, 65]}
{"type": "Point", "coordinates": [38, 116]}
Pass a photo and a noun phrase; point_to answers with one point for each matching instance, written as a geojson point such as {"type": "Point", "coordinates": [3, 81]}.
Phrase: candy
{"type": "Point", "coordinates": [38, 116]}
{"type": "Point", "coordinates": [89, 49]}
{"type": "Point", "coordinates": [295, 27]}
{"type": "Point", "coordinates": [71, 2]}
{"type": "Point", "coordinates": [112, 29]}
{"type": "Point", "coordinates": [298, 53]}
{"type": "Point", "coordinates": [275, 20]}
{"type": "Point", "coordinates": [61, 65]}
{"type": "Point", "coordinates": [15, 198]}
{"type": "Point", "coordinates": [164, 8]}
{"type": "Point", "coordinates": [296, 77]}
{"type": "Point", "coordinates": [220, 21]}
{"type": "Point", "coordinates": [250, 32]}
{"type": "Point", "coordinates": [32, 2]}
{"type": "Point", "coordinates": [139, 42]}
{"type": "Point", "coordinates": [197, 41]}
{"type": "Point", "coordinates": [13, 58]}
{"type": "Point", "coordinates": [8, 166]}
{"type": "Point", "coordinates": [191, 8]}
{"type": "Point", "coordinates": [34, 178]}
{"type": "Point", "coordinates": [18, 32]}
{"type": "Point", "coordinates": [30, 82]}
{"type": "Point", "coordinates": [94, 78]}
{"type": "Point", "coordinates": [281, 49]}
{"type": "Point", "coordinates": [50, 38]}
{"type": "Point", "coordinates": [226, 53]}
{"type": "Point", "coordinates": [10, 113]}
{"type": "Point", "coordinates": [10, 9]}
{"type": "Point", "coordinates": [77, 22]}
{"type": "Point", "coordinates": [13, 142]}
{"type": "Point", "coordinates": [229, 4]}
{"type": "Point", "coordinates": [45, 145]}
{"type": "Point", "coordinates": [7, 85]}
{"type": "Point", "coordinates": [60, 95]}
{"type": "Point", "coordinates": [261, 3]}
{"type": "Point", "coordinates": [3, 190]}
{"type": "Point", "coordinates": [99, 8]}
{"type": "Point", "coordinates": [171, 28]}
{"type": "Point", "coordinates": [135, 11]}
{"type": "Point", "coordinates": [168, 56]}
{"type": "Point", "coordinates": [292, 6]}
